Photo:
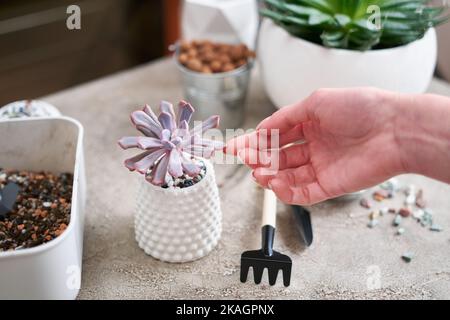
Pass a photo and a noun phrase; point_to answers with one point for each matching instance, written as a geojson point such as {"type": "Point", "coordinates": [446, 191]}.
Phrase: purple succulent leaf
{"type": "Point", "coordinates": [146, 162]}
{"type": "Point", "coordinates": [185, 111]}
{"type": "Point", "coordinates": [166, 135]}
{"type": "Point", "coordinates": [142, 120]}
{"type": "Point", "coordinates": [199, 151]}
{"type": "Point", "coordinates": [177, 141]}
{"type": "Point", "coordinates": [128, 142]}
{"type": "Point", "coordinates": [147, 132]}
{"type": "Point", "coordinates": [160, 170]}
{"type": "Point", "coordinates": [167, 107]}
{"type": "Point", "coordinates": [130, 163]}
{"type": "Point", "coordinates": [214, 144]}
{"type": "Point", "coordinates": [150, 113]}
{"type": "Point", "coordinates": [192, 169]}
{"type": "Point", "coordinates": [175, 167]}
{"type": "Point", "coordinates": [148, 142]}
{"type": "Point", "coordinates": [166, 121]}
{"type": "Point", "coordinates": [168, 145]}
{"type": "Point", "coordinates": [184, 125]}
{"type": "Point", "coordinates": [192, 140]}
{"type": "Point", "coordinates": [210, 123]}
{"type": "Point", "coordinates": [183, 132]}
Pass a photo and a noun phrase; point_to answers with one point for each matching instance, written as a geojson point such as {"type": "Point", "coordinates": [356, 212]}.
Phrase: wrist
{"type": "Point", "coordinates": [422, 134]}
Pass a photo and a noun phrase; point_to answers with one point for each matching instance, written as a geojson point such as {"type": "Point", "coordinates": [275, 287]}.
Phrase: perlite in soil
{"type": "Point", "coordinates": [41, 211]}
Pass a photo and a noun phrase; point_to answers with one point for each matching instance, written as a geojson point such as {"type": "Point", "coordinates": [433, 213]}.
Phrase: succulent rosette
{"type": "Point", "coordinates": [169, 147]}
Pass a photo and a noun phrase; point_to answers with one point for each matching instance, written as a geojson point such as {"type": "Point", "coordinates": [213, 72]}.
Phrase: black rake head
{"type": "Point", "coordinates": [259, 261]}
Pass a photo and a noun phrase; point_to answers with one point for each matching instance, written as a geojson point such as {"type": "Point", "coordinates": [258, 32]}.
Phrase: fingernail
{"type": "Point", "coordinates": [269, 185]}
{"type": "Point", "coordinates": [253, 176]}
{"type": "Point", "coordinates": [241, 155]}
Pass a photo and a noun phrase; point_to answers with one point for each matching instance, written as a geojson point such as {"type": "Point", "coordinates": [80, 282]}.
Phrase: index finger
{"type": "Point", "coordinates": [288, 117]}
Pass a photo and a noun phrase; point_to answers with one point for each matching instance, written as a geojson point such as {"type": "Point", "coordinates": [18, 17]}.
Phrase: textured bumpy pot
{"type": "Point", "coordinates": [293, 68]}
{"type": "Point", "coordinates": [51, 270]}
{"type": "Point", "coordinates": [179, 225]}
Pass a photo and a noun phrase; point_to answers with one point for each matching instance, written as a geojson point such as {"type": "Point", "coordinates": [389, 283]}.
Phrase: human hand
{"type": "Point", "coordinates": [349, 144]}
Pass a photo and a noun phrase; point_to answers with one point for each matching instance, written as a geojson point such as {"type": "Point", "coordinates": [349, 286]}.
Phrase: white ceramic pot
{"type": "Point", "coordinates": [179, 225]}
{"type": "Point", "coordinates": [293, 68]}
{"type": "Point", "coordinates": [51, 270]}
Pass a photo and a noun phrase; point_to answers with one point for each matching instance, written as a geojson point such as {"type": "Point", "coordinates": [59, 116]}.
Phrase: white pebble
{"type": "Point", "coordinates": [410, 189]}
{"type": "Point", "coordinates": [410, 200]}
{"type": "Point", "coordinates": [418, 214]}
{"type": "Point", "coordinates": [384, 210]}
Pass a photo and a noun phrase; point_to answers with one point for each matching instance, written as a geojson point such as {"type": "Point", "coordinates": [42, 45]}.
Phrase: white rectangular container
{"type": "Point", "coordinates": [51, 270]}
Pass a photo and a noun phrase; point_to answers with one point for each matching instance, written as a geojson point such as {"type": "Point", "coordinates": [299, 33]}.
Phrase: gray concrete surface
{"type": "Point", "coordinates": [344, 257]}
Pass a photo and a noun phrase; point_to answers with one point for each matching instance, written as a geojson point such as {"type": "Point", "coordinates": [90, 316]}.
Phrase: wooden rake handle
{"type": "Point", "coordinates": [268, 222]}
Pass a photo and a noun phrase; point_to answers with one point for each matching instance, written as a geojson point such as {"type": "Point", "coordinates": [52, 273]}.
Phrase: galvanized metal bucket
{"type": "Point", "coordinates": [222, 94]}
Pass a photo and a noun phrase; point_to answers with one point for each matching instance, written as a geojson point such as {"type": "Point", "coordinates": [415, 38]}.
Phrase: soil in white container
{"type": "Point", "coordinates": [41, 211]}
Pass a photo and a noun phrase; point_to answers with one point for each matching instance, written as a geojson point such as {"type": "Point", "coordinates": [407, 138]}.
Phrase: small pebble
{"type": "Point", "coordinates": [411, 189]}
{"type": "Point", "coordinates": [365, 203]}
{"type": "Point", "coordinates": [427, 218]}
{"type": "Point", "coordinates": [420, 201]}
{"type": "Point", "coordinates": [386, 185]}
{"type": "Point", "coordinates": [373, 223]}
{"type": "Point", "coordinates": [392, 210]}
{"type": "Point", "coordinates": [418, 214]}
{"type": "Point", "coordinates": [378, 198]}
{"type": "Point", "coordinates": [407, 256]}
{"type": "Point", "coordinates": [410, 200]}
{"type": "Point", "coordinates": [400, 231]}
{"type": "Point", "coordinates": [47, 204]}
{"type": "Point", "coordinates": [391, 184]}
{"type": "Point", "coordinates": [397, 220]}
{"type": "Point", "coordinates": [436, 228]}
{"type": "Point", "coordinates": [374, 215]}
{"type": "Point", "coordinates": [404, 212]}
{"type": "Point", "coordinates": [384, 211]}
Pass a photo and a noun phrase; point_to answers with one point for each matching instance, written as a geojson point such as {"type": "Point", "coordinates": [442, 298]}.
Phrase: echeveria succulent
{"type": "Point", "coordinates": [170, 148]}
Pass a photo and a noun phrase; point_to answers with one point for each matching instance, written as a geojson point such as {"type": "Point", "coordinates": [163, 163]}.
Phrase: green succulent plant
{"type": "Point", "coordinates": [355, 24]}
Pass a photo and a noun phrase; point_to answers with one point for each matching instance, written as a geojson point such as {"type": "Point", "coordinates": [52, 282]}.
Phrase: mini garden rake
{"type": "Point", "coordinates": [266, 257]}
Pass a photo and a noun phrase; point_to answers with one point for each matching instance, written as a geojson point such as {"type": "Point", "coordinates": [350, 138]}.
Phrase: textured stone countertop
{"type": "Point", "coordinates": [344, 257]}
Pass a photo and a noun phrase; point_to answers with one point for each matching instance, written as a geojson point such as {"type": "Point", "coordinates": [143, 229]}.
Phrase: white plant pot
{"type": "Point", "coordinates": [293, 68]}
{"type": "Point", "coordinates": [179, 225]}
{"type": "Point", "coordinates": [51, 270]}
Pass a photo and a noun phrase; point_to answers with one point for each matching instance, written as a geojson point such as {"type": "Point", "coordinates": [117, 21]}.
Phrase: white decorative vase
{"type": "Point", "coordinates": [230, 21]}
{"type": "Point", "coordinates": [293, 68]}
{"type": "Point", "coordinates": [179, 225]}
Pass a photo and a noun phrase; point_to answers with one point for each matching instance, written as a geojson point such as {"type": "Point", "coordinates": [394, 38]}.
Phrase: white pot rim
{"type": "Point", "coordinates": [338, 51]}
{"type": "Point", "coordinates": [74, 213]}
